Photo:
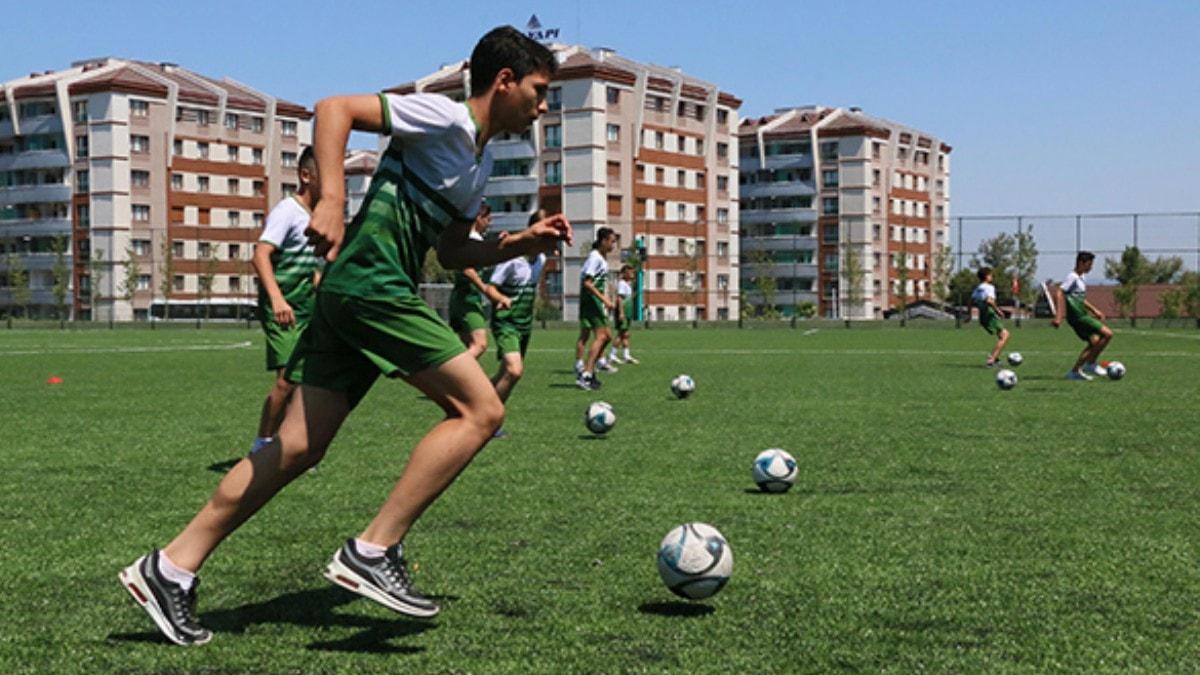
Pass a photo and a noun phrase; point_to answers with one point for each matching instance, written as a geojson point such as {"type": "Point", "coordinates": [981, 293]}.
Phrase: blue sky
{"type": "Point", "coordinates": [1059, 106]}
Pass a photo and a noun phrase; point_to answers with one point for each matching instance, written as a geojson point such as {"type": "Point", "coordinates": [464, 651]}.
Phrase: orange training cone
{"type": "Point", "coordinates": [54, 379]}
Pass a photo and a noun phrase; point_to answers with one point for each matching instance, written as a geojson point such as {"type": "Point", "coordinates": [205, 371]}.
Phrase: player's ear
{"type": "Point", "coordinates": [505, 80]}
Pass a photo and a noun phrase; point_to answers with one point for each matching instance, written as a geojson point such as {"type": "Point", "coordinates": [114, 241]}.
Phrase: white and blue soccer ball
{"type": "Point", "coordinates": [1006, 379]}
{"type": "Point", "coordinates": [1015, 359]}
{"type": "Point", "coordinates": [599, 417]}
{"type": "Point", "coordinates": [695, 561]}
{"type": "Point", "coordinates": [1115, 369]}
{"type": "Point", "coordinates": [774, 470]}
{"type": "Point", "coordinates": [682, 386]}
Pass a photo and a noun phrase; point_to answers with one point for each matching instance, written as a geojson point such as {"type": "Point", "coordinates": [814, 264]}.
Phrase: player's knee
{"type": "Point", "coordinates": [283, 389]}
{"type": "Point", "coordinates": [1106, 333]}
{"type": "Point", "coordinates": [515, 370]}
{"type": "Point", "coordinates": [489, 414]}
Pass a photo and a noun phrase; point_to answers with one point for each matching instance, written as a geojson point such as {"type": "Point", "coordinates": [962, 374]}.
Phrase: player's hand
{"type": "Point", "coordinates": [609, 304]}
{"type": "Point", "coordinates": [552, 230]}
{"type": "Point", "coordinates": [326, 229]}
{"type": "Point", "coordinates": [284, 316]}
{"type": "Point", "coordinates": [503, 302]}
{"type": "Point", "coordinates": [1056, 322]}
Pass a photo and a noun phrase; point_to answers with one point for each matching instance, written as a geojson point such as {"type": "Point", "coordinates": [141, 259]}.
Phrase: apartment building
{"type": "Point", "coordinates": [159, 179]}
{"type": "Point", "coordinates": [840, 209]}
{"type": "Point", "coordinates": [359, 166]}
{"type": "Point", "coordinates": [646, 150]}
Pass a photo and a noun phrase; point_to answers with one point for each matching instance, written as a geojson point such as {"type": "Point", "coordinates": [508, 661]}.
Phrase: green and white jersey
{"type": "Point", "coordinates": [625, 291]}
{"type": "Point", "coordinates": [429, 176]}
{"type": "Point", "coordinates": [293, 260]}
{"type": "Point", "coordinates": [1074, 290]}
{"type": "Point", "coordinates": [980, 296]}
{"type": "Point", "coordinates": [518, 280]}
{"type": "Point", "coordinates": [595, 267]}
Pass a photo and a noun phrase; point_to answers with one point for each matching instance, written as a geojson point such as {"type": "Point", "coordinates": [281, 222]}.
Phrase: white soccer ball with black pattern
{"type": "Point", "coordinates": [695, 561]}
{"type": "Point", "coordinates": [774, 470]}
{"type": "Point", "coordinates": [1015, 359]}
{"type": "Point", "coordinates": [599, 417]}
{"type": "Point", "coordinates": [1116, 370]}
{"type": "Point", "coordinates": [682, 386]}
{"type": "Point", "coordinates": [1006, 379]}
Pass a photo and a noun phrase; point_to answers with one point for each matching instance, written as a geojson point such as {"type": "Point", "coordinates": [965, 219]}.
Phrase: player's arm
{"type": "Point", "coordinates": [1059, 307]}
{"type": "Point", "coordinates": [280, 308]}
{"type": "Point", "coordinates": [456, 250]}
{"type": "Point", "coordinates": [995, 307]}
{"type": "Point", "coordinates": [1094, 310]}
{"type": "Point", "coordinates": [498, 299]}
{"type": "Point", "coordinates": [619, 308]}
{"type": "Point", "coordinates": [591, 288]}
{"type": "Point", "coordinates": [335, 117]}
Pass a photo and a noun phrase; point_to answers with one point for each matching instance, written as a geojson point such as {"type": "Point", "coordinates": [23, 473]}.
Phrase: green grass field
{"type": "Point", "coordinates": [938, 523]}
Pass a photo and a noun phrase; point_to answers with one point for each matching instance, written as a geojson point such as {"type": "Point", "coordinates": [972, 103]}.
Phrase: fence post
{"type": "Point", "coordinates": [1133, 314]}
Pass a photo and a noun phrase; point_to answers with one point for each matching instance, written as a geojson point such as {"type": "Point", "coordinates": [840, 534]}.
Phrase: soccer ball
{"type": "Point", "coordinates": [682, 386]}
{"type": "Point", "coordinates": [1006, 379]}
{"type": "Point", "coordinates": [1116, 370]}
{"type": "Point", "coordinates": [774, 470]}
{"type": "Point", "coordinates": [599, 417]}
{"type": "Point", "coordinates": [1015, 359]}
{"type": "Point", "coordinates": [694, 561]}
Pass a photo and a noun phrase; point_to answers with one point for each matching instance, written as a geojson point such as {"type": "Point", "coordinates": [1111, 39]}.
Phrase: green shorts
{"type": "Point", "coordinates": [281, 342]}
{"type": "Point", "coordinates": [467, 321]}
{"type": "Point", "coordinates": [592, 321]}
{"type": "Point", "coordinates": [352, 341]}
{"type": "Point", "coordinates": [1086, 326]}
{"type": "Point", "coordinates": [622, 324]}
{"type": "Point", "coordinates": [509, 341]}
{"type": "Point", "coordinates": [992, 324]}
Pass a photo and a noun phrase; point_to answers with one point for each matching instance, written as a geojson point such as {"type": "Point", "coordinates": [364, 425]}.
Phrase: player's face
{"type": "Point", "coordinates": [609, 243]}
{"type": "Point", "coordinates": [312, 179]}
{"type": "Point", "coordinates": [525, 101]}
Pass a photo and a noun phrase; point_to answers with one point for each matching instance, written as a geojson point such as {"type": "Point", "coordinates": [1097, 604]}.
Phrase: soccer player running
{"type": "Point", "coordinates": [984, 299]}
{"type": "Point", "coordinates": [370, 321]}
{"type": "Point", "coordinates": [594, 306]}
{"type": "Point", "coordinates": [1085, 319]}
{"type": "Point", "coordinates": [466, 297]}
{"type": "Point", "coordinates": [623, 315]}
{"type": "Point", "coordinates": [513, 289]}
{"type": "Point", "coordinates": [288, 274]}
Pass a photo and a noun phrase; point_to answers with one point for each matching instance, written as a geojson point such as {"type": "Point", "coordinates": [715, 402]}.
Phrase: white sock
{"type": "Point", "coordinates": [586, 374]}
{"type": "Point", "coordinates": [601, 364]}
{"type": "Point", "coordinates": [174, 573]}
{"type": "Point", "coordinates": [368, 550]}
{"type": "Point", "coordinates": [579, 364]}
{"type": "Point", "coordinates": [612, 354]}
{"type": "Point", "coordinates": [626, 353]}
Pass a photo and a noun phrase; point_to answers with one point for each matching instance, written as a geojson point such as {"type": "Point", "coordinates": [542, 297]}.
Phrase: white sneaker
{"type": "Point", "coordinates": [606, 367]}
{"type": "Point", "coordinates": [1079, 376]}
{"type": "Point", "coordinates": [1095, 369]}
{"type": "Point", "coordinates": [615, 359]}
{"type": "Point", "coordinates": [630, 359]}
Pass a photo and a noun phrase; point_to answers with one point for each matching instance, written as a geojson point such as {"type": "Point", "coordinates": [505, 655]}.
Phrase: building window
{"type": "Point", "coordinates": [177, 249]}
{"type": "Point", "coordinates": [202, 149]}
{"type": "Point", "coordinates": [204, 249]}
{"type": "Point", "coordinates": [177, 282]}
{"type": "Point", "coordinates": [613, 95]}
{"type": "Point", "coordinates": [722, 116]}
{"type": "Point", "coordinates": [256, 125]}
{"type": "Point", "coordinates": [202, 184]}
{"type": "Point", "coordinates": [829, 150]}
{"type": "Point", "coordinates": [288, 189]}
{"type": "Point", "coordinates": [699, 146]}
{"type": "Point", "coordinates": [723, 216]}
{"type": "Point", "coordinates": [553, 136]}
{"type": "Point", "coordinates": [257, 155]}
{"type": "Point", "coordinates": [289, 128]}
{"type": "Point", "coordinates": [660, 140]}
{"type": "Point", "coordinates": [614, 133]}
{"type": "Point", "coordinates": [722, 183]}
{"type": "Point", "coordinates": [876, 150]}
{"type": "Point", "coordinates": [232, 153]}
{"type": "Point", "coordinates": [680, 143]}
{"type": "Point", "coordinates": [722, 150]}
{"type": "Point", "coordinates": [141, 246]}
{"type": "Point", "coordinates": [235, 284]}
{"type": "Point", "coordinates": [288, 159]}
{"type": "Point", "coordinates": [554, 99]}
{"type": "Point", "coordinates": [139, 144]}
{"type": "Point", "coordinates": [81, 181]}
{"type": "Point", "coordinates": [235, 251]}
{"type": "Point", "coordinates": [176, 181]}
{"type": "Point", "coordinates": [84, 215]}
{"type": "Point", "coordinates": [258, 219]}
{"type": "Point", "coordinates": [81, 146]}
{"type": "Point", "coordinates": [258, 188]}
{"type": "Point", "coordinates": [141, 213]}
{"type": "Point", "coordinates": [79, 111]}
{"type": "Point", "coordinates": [722, 249]}
{"type": "Point", "coordinates": [829, 234]}
{"type": "Point", "coordinates": [139, 178]}
{"type": "Point", "coordinates": [829, 178]}
{"type": "Point", "coordinates": [235, 218]}
{"type": "Point", "coordinates": [660, 279]}
{"type": "Point", "coordinates": [553, 173]}
{"type": "Point", "coordinates": [233, 186]}
{"type": "Point", "coordinates": [680, 178]}
{"type": "Point", "coordinates": [36, 109]}
{"type": "Point", "coordinates": [231, 120]}
{"type": "Point", "coordinates": [177, 148]}
{"type": "Point", "coordinates": [680, 212]}
{"type": "Point", "coordinates": [143, 282]}
{"type": "Point", "coordinates": [829, 205]}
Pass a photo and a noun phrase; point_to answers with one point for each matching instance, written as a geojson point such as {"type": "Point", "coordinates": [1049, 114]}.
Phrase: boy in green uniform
{"type": "Point", "coordinates": [513, 289]}
{"type": "Point", "coordinates": [594, 306]}
{"type": "Point", "coordinates": [466, 297]}
{"type": "Point", "coordinates": [984, 298]}
{"type": "Point", "coordinates": [623, 315]}
{"type": "Point", "coordinates": [370, 321]}
{"type": "Point", "coordinates": [288, 273]}
{"type": "Point", "coordinates": [1084, 318]}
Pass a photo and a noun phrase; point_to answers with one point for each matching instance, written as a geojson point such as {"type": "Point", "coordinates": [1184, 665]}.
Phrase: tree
{"type": "Point", "coordinates": [1191, 294]}
{"type": "Point", "coordinates": [1172, 301]}
{"type": "Point", "coordinates": [1131, 270]}
{"type": "Point", "coordinates": [95, 269]}
{"type": "Point", "coordinates": [691, 266]}
{"type": "Point", "coordinates": [432, 271]}
{"type": "Point", "coordinates": [943, 272]}
{"type": "Point", "coordinates": [1010, 256]}
{"type": "Point", "coordinates": [806, 310]}
{"type": "Point", "coordinates": [855, 274]}
{"type": "Point", "coordinates": [961, 285]}
{"type": "Point", "coordinates": [764, 282]}
{"type": "Point", "coordinates": [130, 281]}
{"type": "Point", "coordinates": [1025, 267]}
{"type": "Point", "coordinates": [167, 283]}
{"type": "Point", "coordinates": [205, 281]}
{"type": "Point", "coordinates": [1164, 270]}
{"type": "Point", "coordinates": [902, 277]}
{"type": "Point", "coordinates": [61, 275]}
{"type": "Point", "coordinates": [18, 281]}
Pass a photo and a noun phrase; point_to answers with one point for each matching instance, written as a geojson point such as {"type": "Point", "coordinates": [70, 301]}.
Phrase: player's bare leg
{"type": "Point", "coordinates": [512, 367]}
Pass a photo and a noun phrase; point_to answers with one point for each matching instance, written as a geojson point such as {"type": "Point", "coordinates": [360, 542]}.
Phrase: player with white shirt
{"type": "Point", "coordinates": [984, 299]}
{"type": "Point", "coordinates": [288, 271]}
{"type": "Point", "coordinates": [466, 296]}
{"type": "Point", "coordinates": [370, 321]}
{"type": "Point", "coordinates": [623, 315]}
{"type": "Point", "coordinates": [594, 306]}
{"type": "Point", "coordinates": [1085, 319]}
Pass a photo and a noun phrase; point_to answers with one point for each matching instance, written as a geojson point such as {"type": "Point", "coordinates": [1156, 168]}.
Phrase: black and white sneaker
{"type": "Point", "coordinates": [587, 382]}
{"type": "Point", "coordinates": [384, 579]}
{"type": "Point", "coordinates": [172, 608]}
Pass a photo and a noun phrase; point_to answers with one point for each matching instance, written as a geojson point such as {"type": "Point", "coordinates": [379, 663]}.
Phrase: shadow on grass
{"type": "Point", "coordinates": [309, 608]}
{"type": "Point", "coordinates": [563, 385]}
{"type": "Point", "coordinates": [224, 467]}
{"type": "Point", "coordinates": [592, 437]}
{"type": "Point", "coordinates": [562, 372]}
{"type": "Point", "coordinates": [675, 609]}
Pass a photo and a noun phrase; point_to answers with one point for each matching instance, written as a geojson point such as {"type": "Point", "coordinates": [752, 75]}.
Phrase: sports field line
{"type": "Point", "coordinates": [1146, 333]}
{"type": "Point", "coordinates": [130, 350]}
{"type": "Point", "coordinates": [857, 352]}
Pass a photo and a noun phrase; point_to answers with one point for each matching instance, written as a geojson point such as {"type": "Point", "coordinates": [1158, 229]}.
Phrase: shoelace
{"type": "Point", "coordinates": [184, 605]}
{"type": "Point", "coordinates": [396, 571]}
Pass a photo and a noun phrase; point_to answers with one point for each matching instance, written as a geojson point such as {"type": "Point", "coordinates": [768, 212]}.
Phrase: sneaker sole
{"type": "Point", "coordinates": [133, 582]}
{"type": "Point", "coordinates": [343, 576]}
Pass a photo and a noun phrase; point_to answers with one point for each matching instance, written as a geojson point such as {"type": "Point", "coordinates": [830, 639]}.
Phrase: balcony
{"type": "Point", "coordinates": [507, 186]}
{"type": "Point", "coordinates": [800, 214]}
{"type": "Point", "coordinates": [39, 227]}
{"type": "Point", "coordinates": [779, 189]}
{"type": "Point", "coordinates": [778, 242]}
{"type": "Point", "coordinates": [509, 221]}
{"type": "Point", "coordinates": [502, 150]}
{"type": "Point", "coordinates": [28, 194]}
{"type": "Point", "coordinates": [41, 125]}
{"type": "Point", "coordinates": [41, 262]}
{"type": "Point", "coordinates": [34, 159]}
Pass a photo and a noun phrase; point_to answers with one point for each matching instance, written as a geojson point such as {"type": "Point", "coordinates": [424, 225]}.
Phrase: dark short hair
{"type": "Point", "coordinates": [506, 47]}
{"type": "Point", "coordinates": [1084, 257]}
{"type": "Point", "coordinates": [307, 157]}
{"type": "Point", "coordinates": [602, 234]}
{"type": "Point", "coordinates": [626, 268]}
{"type": "Point", "coordinates": [983, 272]}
